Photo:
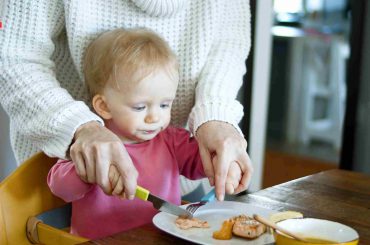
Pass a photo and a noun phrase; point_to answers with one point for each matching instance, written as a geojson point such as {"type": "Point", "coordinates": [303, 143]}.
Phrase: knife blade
{"type": "Point", "coordinates": [160, 204]}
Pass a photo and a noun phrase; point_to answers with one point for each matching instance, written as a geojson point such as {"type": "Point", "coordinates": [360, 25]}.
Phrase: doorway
{"type": "Point", "coordinates": [307, 96]}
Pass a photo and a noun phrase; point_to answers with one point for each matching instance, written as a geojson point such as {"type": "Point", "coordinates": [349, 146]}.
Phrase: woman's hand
{"type": "Point", "coordinates": [220, 144]}
{"type": "Point", "coordinates": [94, 149]}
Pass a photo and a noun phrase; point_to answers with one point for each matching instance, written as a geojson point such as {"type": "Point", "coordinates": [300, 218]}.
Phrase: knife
{"type": "Point", "coordinates": [161, 204]}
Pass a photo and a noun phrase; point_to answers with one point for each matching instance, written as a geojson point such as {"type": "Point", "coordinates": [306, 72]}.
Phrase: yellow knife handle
{"type": "Point", "coordinates": [142, 193]}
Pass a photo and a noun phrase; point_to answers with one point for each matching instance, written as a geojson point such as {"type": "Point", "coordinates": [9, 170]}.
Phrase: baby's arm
{"type": "Point", "coordinates": [64, 182]}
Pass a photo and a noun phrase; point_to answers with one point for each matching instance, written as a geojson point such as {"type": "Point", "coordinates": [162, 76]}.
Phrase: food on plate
{"type": "Point", "coordinates": [241, 225]}
{"type": "Point", "coordinates": [277, 217]}
{"type": "Point", "coordinates": [185, 223]}
{"type": "Point", "coordinates": [249, 228]}
{"type": "Point", "coordinates": [225, 233]}
{"type": "Point", "coordinates": [241, 217]}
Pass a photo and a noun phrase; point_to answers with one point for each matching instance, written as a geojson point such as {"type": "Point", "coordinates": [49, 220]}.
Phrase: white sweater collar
{"type": "Point", "coordinates": [160, 8]}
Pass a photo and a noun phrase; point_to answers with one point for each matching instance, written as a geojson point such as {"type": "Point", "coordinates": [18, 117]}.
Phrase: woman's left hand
{"type": "Point", "coordinates": [223, 140]}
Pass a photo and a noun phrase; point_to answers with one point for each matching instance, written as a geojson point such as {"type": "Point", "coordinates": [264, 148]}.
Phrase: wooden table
{"type": "Point", "coordinates": [336, 195]}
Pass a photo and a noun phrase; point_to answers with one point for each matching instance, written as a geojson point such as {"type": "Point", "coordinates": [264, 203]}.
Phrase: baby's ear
{"type": "Point", "coordinates": [100, 106]}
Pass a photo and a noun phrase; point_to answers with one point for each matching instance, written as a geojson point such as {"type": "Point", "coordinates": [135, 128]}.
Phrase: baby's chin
{"type": "Point", "coordinates": [149, 135]}
{"type": "Point", "coordinates": [142, 137]}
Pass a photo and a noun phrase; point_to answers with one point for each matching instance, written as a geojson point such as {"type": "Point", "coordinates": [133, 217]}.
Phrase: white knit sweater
{"type": "Point", "coordinates": [42, 43]}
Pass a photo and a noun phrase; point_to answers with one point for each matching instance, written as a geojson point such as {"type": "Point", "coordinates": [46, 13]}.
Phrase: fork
{"type": "Point", "coordinates": [209, 197]}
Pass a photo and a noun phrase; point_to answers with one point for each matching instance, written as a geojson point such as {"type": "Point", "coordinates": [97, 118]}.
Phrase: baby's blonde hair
{"type": "Point", "coordinates": [129, 55]}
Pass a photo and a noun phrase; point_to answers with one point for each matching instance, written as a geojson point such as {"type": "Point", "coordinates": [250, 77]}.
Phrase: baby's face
{"type": "Point", "coordinates": [141, 110]}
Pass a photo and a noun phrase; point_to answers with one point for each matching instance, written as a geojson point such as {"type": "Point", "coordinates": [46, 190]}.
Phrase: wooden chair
{"type": "Point", "coordinates": [24, 197]}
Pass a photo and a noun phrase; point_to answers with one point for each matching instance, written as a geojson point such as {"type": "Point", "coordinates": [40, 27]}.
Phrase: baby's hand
{"type": "Point", "coordinates": [234, 176]}
{"type": "Point", "coordinates": [116, 182]}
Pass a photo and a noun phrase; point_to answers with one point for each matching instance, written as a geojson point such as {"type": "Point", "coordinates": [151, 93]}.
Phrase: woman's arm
{"type": "Point", "coordinates": [40, 108]}
{"type": "Point", "coordinates": [214, 118]}
{"type": "Point", "coordinates": [222, 75]}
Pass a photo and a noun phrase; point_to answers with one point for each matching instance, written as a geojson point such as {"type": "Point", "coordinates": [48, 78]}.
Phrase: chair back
{"type": "Point", "coordinates": [23, 194]}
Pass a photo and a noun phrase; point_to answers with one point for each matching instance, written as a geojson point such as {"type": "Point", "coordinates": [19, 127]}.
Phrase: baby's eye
{"type": "Point", "coordinates": [165, 105]}
{"type": "Point", "coordinates": [138, 108]}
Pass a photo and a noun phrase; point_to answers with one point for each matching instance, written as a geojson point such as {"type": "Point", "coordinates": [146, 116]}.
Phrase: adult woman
{"type": "Point", "coordinates": [42, 86]}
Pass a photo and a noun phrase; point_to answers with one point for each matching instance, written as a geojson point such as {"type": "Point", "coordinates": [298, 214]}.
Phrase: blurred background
{"type": "Point", "coordinates": [307, 95]}
{"type": "Point", "coordinates": [313, 104]}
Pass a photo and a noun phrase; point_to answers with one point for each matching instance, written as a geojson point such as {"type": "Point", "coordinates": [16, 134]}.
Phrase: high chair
{"type": "Point", "coordinates": [24, 197]}
{"type": "Point", "coordinates": [324, 82]}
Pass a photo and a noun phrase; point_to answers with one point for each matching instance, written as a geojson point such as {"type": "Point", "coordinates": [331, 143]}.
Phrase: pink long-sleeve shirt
{"type": "Point", "coordinates": [159, 162]}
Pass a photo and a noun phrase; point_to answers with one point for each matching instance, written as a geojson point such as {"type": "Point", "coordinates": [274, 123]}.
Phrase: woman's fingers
{"type": "Point", "coordinates": [79, 162]}
{"type": "Point", "coordinates": [207, 164]}
{"type": "Point", "coordinates": [90, 162]}
{"type": "Point", "coordinates": [102, 170]}
{"type": "Point", "coordinates": [221, 166]}
{"type": "Point", "coordinates": [94, 149]}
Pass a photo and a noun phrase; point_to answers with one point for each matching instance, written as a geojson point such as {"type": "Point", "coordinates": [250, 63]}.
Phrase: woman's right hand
{"type": "Point", "coordinates": [94, 149]}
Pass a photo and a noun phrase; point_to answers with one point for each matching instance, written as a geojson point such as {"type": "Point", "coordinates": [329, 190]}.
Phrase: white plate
{"type": "Point", "coordinates": [215, 213]}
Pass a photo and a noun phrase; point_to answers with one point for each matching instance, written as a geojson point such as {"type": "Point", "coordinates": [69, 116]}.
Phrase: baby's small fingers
{"type": "Point", "coordinates": [229, 188]}
{"type": "Point", "coordinates": [113, 176]}
{"type": "Point", "coordinates": [233, 178]}
{"type": "Point", "coordinates": [123, 196]}
{"type": "Point", "coordinates": [118, 189]}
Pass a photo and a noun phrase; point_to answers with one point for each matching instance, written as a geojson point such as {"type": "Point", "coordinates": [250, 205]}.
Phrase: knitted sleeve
{"type": "Point", "coordinates": [222, 75]}
{"type": "Point", "coordinates": [37, 105]}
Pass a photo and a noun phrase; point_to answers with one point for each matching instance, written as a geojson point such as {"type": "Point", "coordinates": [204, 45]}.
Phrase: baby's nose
{"type": "Point", "coordinates": [152, 117]}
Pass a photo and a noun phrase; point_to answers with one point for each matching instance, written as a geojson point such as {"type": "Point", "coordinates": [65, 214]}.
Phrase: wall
{"type": "Point", "coordinates": [7, 160]}
{"type": "Point", "coordinates": [260, 89]}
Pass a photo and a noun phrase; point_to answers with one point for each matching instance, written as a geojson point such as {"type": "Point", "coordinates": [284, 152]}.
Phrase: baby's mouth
{"type": "Point", "coordinates": [153, 131]}
{"type": "Point", "coordinates": [149, 131]}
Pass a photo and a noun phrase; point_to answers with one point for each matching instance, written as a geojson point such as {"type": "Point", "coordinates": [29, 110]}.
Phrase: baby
{"type": "Point", "coordinates": [132, 76]}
